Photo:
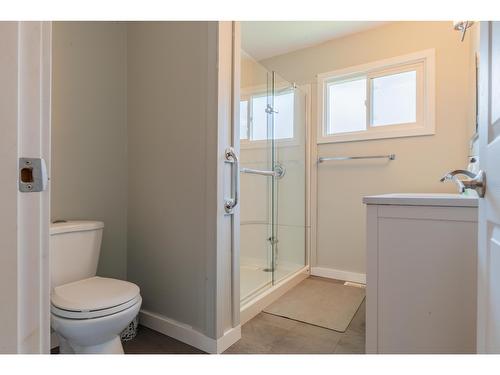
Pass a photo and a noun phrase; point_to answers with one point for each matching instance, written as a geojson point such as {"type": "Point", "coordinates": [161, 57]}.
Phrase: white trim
{"type": "Point", "coordinates": [230, 337]}
{"type": "Point", "coordinates": [310, 166]}
{"type": "Point", "coordinates": [259, 303]}
{"type": "Point", "coordinates": [313, 187]}
{"type": "Point", "coordinates": [235, 141]}
{"type": "Point", "coordinates": [332, 273]}
{"type": "Point", "coordinates": [371, 334]}
{"type": "Point", "coordinates": [188, 334]}
{"type": "Point", "coordinates": [222, 307]}
{"type": "Point", "coordinates": [425, 124]}
{"type": "Point", "coordinates": [25, 119]}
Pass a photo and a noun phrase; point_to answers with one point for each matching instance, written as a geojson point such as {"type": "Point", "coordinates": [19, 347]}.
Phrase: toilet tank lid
{"type": "Point", "coordinates": [75, 226]}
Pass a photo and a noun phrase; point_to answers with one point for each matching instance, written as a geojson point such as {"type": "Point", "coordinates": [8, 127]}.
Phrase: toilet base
{"type": "Point", "coordinates": [113, 346]}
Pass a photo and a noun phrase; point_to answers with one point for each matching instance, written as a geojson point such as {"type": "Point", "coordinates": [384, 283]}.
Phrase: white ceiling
{"type": "Point", "coordinates": [264, 39]}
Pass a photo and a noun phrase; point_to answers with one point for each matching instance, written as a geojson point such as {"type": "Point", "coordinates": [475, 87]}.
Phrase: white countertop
{"type": "Point", "coordinates": [421, 199]}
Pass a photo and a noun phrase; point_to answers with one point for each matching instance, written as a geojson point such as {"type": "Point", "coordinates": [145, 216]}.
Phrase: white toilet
{"type": "Point", "coordinates": [88, 312]}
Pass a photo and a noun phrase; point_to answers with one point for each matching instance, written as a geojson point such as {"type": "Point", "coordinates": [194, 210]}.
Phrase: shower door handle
{"type": "Point", "coordinates": [231, 156]}
{"type": "Point", "coordinates": [278, 172]}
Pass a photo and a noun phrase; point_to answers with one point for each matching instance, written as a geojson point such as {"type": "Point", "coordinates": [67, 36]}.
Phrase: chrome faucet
{"type": "Point", "coordinates": [476, 182]}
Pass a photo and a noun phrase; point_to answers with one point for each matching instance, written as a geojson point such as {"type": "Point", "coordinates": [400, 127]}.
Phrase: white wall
{"type": "Point", "coordinates": [24, 217]}
{"type": "Point", "coordinates": [89, 133]}
{"type": "Point", "coordinates": [420, 161]}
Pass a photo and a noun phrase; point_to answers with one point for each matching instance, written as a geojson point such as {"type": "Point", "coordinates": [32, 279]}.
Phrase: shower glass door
{"type": "Point", "coordinates": [256, 189]}
{"type": "Point", "coordinates": [272, 140]}
{"type": "Point", "coordinates": [289, 185]}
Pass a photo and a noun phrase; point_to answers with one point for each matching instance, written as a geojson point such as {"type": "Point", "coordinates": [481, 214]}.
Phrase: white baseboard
{"type": "Point", "coordinates": [255, 306]}
{"type": "Point", "coordinates": [229, 338]}
{"type": "Point", "coordinates": [339, 274]}
{"type": "Point", "coordinates": [188, 334]}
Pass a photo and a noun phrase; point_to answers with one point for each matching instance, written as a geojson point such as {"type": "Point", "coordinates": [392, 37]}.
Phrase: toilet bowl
{"type": "Point", "coordinates": [88, 312]}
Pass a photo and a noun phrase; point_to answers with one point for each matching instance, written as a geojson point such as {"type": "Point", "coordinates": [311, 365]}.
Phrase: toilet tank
{"type": "Point", "coordinates": [74, 250]}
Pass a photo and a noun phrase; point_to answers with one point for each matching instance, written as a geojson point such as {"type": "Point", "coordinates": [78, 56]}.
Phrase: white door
{"type": "Point", "coordinates": [24, 216]}
{"type": "Point", "coordinates": [488, 325]}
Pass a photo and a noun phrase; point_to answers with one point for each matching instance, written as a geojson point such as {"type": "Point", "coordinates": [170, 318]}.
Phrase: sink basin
{"type": "Point", "coordinates": [423, 199]}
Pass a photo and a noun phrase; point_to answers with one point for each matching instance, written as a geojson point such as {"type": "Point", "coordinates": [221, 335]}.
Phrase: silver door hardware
{"type": "Point", "coordinates": [231, 156]}
{"type": "Point", "coordinates": [270, 109]}
{"type": "Point", "coordinates": [279, 171]}
{"type": "Point", "coordinates": [32, 175]}
{"type": "Point", "coordinates": [477, 181]}
{"type": "Point", "coordinates": [272, 240]}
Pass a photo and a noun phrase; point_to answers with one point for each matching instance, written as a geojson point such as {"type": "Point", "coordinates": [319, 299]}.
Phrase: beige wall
{"type": "Point", "coordinates": [89, 132]}
{"type": "Point", "coordinates": [420, 161]}
{"type": "Point", "coordinates": [473, 39]}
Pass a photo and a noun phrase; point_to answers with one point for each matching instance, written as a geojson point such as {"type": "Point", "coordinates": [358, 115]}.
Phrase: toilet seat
{"type": "Point", "coordinates": [93, 298]}
{"type": "Point", "coordinates": [92, 314]}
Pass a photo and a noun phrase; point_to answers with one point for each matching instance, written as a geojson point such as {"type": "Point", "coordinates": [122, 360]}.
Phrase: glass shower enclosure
{"type": "Point", "coordinates": [273, 179]}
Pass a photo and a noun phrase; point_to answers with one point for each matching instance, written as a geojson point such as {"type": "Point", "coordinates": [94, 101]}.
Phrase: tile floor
{"type": "Point", "coordinates": [267, 334]}
{"type": "Point", "coordinates": [148, 341]}
{"type": "Point", "coordinates": [272, 334]}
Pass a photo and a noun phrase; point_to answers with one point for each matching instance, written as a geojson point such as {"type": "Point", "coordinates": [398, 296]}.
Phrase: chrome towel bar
{"type": "Point", "coordinates": [389, 157]}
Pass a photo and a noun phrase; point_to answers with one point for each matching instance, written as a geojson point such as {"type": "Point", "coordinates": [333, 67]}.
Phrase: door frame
{"type": "Point", "coordinates": [235, 141]}
{"type": "Point", "coordinates": [25, 68]}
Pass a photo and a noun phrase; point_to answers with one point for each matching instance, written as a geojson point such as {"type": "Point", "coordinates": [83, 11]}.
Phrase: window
{"type": "Point", "coordinates": [346, 106]}
{"type": "Point", "coordinates": [394, 99]}
{"type": "Point", "coordinates": [254, 117]}
{"type": "Point", "coordinates": [244, 119]}
{"type": "Point", "coordinates": [385, 99]}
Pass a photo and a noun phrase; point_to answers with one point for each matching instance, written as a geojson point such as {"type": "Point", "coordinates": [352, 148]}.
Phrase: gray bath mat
{"type": "Point", "coordinates": [320, 302]}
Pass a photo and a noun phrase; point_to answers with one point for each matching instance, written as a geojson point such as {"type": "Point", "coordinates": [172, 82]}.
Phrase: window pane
{"type": "Point", "coordinates": [283, 120]}
{"type": "Point", "coordinates": [259, 118]}
{"type": "Point", "coordinates": [244, 119]}
{"type": "Point", "coordinates": [346, 106]}
{"type": "Point", "coordinates": [394, 99]}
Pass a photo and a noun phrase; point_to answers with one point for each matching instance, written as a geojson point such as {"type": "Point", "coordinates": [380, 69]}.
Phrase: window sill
{"type": "Point", "coordinates": [375, 134]}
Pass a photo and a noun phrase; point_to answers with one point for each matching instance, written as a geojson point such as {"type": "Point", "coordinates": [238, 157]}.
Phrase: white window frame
{"type": "Point", "coordinates": [423, 62]}
{"type": "Point", "coordinates": [261, 90]}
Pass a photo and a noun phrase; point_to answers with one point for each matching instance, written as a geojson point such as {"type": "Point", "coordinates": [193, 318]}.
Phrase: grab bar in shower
{"type": "Point", "coordinates": [337, 158]}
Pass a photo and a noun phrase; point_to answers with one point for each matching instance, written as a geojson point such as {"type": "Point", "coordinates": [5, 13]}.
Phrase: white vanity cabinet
{"type": "Point", "coordinates": [421, 273]}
